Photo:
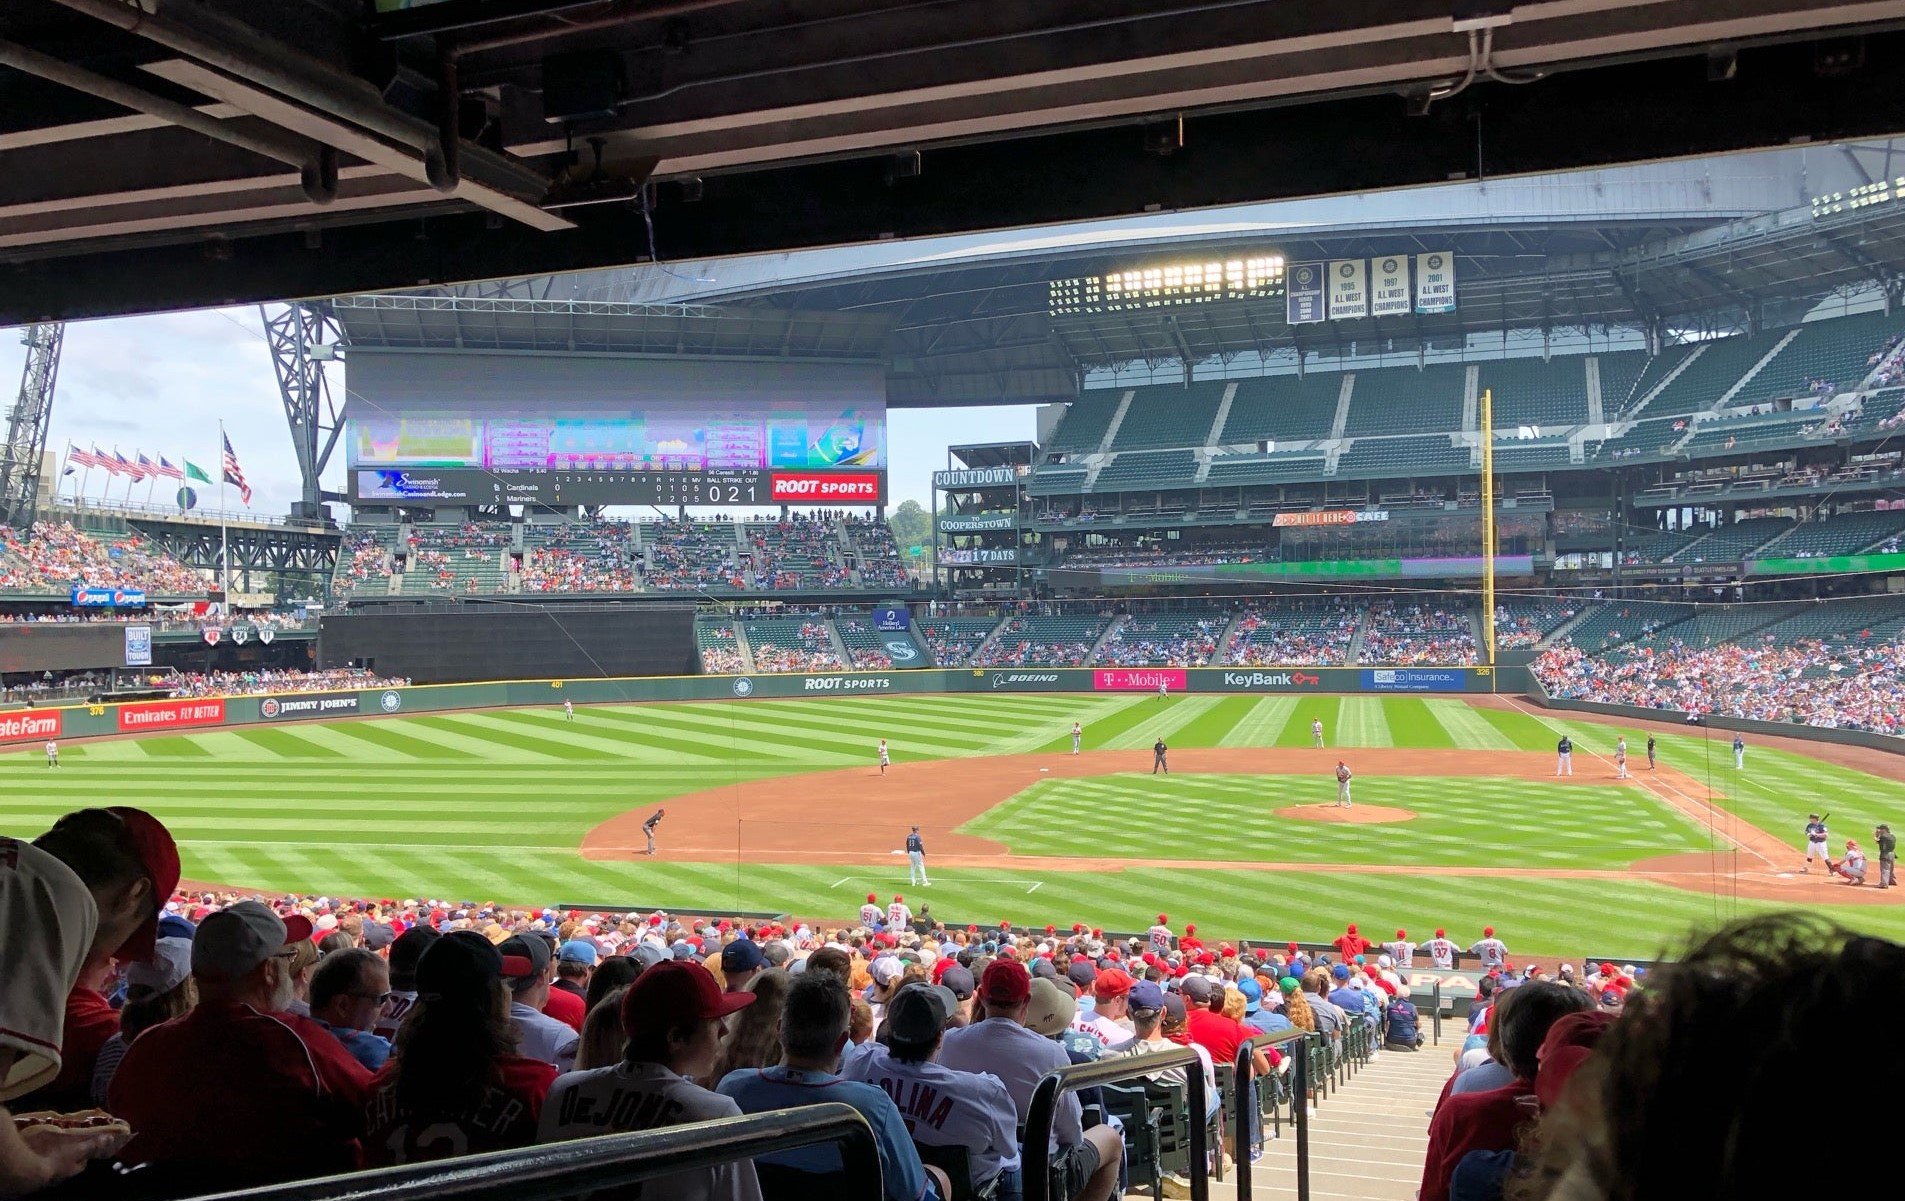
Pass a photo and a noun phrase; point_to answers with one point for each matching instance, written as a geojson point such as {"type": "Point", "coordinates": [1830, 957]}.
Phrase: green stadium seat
{"type": "Point", "coordinates": [1536, 391]}
{"type": "Point", "coordinates": [1085, 421]}
{"type": "Point", "coordinates": [1282, 408]}
{"type": "Point", "coordinates": [1169, 415]}
{"type": "Point", "coordinates": [1378, 457]}
{"type": "Point", "coordinates": [1406, 400]}
{"type": "Point", "coordinates": [1147, 470]}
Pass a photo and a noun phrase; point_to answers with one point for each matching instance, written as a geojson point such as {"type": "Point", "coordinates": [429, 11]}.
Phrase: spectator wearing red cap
{"type": "Point", "coordinates": [454, 1083]}
{"type": "Point", "coordinates": [814, 1030]}
{"type": "Point", "coordinates": [1084, 1162]}
{"type": "Point", "coordinates": [1190, 943]}
{"type": "Point", "coordinates": [1491, 950]}
{"type": "Point", "coordinates": [674, 1016]}
{"type": "Point", "coordinates": [1491, 1120]}
{"type": "Point", "coordinates": [1109, 1019]}
{"type": "Point", "coordinates": [529, 967]}
{"type": "Point", "coordinates": [1350, 944]}
{"type": "Point", "coordinates": [129, 866]}
{"type": "Point", "coordinates": [212, 1096]}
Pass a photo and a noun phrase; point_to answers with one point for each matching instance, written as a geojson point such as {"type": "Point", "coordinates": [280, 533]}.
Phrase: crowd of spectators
{"type": "Point", "coordinates": [796, 552]}
{"type": "Point", "coordinates": [813, 649]}
{"type": "Point", "coordinates": [266, 680]}
{"type": "Point", "coordinates": [1317, 633]}
{"type": "Point", "coordinates": [1418, 633]}
{"type": "Point", "coordinates": [231, 1040]}
{"type": "Point", "coordinates": [53, 556]}
{"type": "Point", "coordinates": [362, 558]}
{"type": "Point", "coordinates": [691, 556]}
{"type": "Point", "coordinates": [1019, 644]}
{"type": "Point", "coordinates": [557, 569]}
{"type": "Point", "coordinates": [1145, 641]}
{"type": "Point", "coordinates": [1857, 685]}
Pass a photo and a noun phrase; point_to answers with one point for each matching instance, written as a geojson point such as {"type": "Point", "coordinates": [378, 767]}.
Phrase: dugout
{"type": "Point", "coordinates": [458, 643]}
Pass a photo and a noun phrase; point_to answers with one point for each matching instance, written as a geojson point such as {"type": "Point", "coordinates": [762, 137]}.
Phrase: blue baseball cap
{"type": "Point", "coordinates": [1145, 994]}
{"type": "Point", "coordinates": [578, 950]}
{"type": "Point", "coordinates": [1340, 972]}
{"type": "Point", "coordinates": [1252, 991]}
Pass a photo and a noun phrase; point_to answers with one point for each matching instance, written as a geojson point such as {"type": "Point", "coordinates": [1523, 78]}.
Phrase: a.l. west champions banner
{"type": "Point", "coordinates": [1349, 289]}
{"type": "Point", "coordinates": [1435, 282]}
{"type": "Point", "coordinates": [1389, 285]}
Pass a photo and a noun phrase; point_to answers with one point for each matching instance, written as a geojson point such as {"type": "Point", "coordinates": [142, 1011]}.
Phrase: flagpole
{"type": "Point", "coordinates": [66, 462]}
{"type": "Point", "coordinates": [85, 477]}
{"type": "Point", "coordinates": [224, 546]}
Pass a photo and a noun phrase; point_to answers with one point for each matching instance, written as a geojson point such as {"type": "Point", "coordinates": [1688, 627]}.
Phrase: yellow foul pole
{"type": "Point", "coordinates": [1488, 523]}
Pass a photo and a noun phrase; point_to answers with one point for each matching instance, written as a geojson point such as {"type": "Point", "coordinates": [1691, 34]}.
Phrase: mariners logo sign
{"type": "Point", "coordinates": [744, 687]}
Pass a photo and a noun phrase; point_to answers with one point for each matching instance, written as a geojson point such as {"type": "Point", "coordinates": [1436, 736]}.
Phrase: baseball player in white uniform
{"type": "Point", "coordinates": [1078, 736]}
{"type": "Point", "coordinates": [1402, 951]}
{"type": "Point", "coordinates": [1441, 950]}
{"type": "Point", "coordinates": [1343, 777]}
{"type": "Point", "coordinates": [1816, 836]}
{"type": "Point", "coordinates": [568, 710]}
{"type": "Point", "coordinates": [1316, 732]}
{"type": "Point", "coordinates": [52, 754]}
{"type": "Point", "coordinates": [885, 759]}
{"type": "Point", "coordinates": [1620, 758]}
{"type": "Point", "coordinates": [898, 916]}
{"type": "Point", "coordinates": [870, 912]}
{"type": "Point", "coordinates": [1164, 689]}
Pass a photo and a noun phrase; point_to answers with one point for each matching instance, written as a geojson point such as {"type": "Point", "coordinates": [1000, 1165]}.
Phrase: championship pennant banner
{"type": "Point", "coordinates": [1351, 289]}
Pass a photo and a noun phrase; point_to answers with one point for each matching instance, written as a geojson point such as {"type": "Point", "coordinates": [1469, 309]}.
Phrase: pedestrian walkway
{"type": "Point", "coordinates": [1367, 1140]}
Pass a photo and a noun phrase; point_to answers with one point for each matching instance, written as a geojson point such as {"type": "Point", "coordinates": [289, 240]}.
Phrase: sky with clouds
{"type": "Point", "coordinates": [161, 385]}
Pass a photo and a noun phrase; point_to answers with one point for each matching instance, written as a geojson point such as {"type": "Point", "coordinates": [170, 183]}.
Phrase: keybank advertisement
{"type": "Point", "coordinates": [1415, 679]}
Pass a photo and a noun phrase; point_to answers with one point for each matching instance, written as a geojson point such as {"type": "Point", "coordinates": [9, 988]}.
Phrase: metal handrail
{"type": "Point", "coordinates": [1300, 1111]}
{"type": "Point", "coordinates": [568, 1169]}
{"type": "Point", "coordinates": [1036, 1152]}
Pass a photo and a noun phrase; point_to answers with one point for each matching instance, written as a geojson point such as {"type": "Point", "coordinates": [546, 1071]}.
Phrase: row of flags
{"type": "Point", "coordinates": [139, 468]}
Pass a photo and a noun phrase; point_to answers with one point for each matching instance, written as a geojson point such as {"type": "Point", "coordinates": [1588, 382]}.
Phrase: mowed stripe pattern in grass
{"type": "Point", "coordinates": [1482, 822]}
{"type": "Point", "coordinates": [492, 806]}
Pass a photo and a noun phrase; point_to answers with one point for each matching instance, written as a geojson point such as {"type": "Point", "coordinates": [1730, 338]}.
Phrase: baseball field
{"type": "Point", "coordinates": [778, 805]}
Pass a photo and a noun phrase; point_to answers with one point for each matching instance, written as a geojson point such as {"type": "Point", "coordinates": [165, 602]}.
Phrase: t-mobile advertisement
{"type": "Point", "coordinates": [1139, 679]}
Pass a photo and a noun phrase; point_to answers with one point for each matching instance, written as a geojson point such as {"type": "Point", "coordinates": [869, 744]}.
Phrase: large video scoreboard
{"type": "Point", "coordinates": [463, 428]}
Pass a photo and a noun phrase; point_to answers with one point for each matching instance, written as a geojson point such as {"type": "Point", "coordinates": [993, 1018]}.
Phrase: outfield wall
{"type": "Point", "coordinates": [159, 717]}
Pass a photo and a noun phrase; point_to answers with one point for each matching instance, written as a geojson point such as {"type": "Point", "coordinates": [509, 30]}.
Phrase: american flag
{"type": "Point", "coordinates": [120, 465]}
{"type": "Point", "coordinates": [234, 474]}
{"type": "Point", "coordinates": [147, 467]}
{"type": "Point", "coordinates": [83, 458]}
{"type": "Point", "coordinates": [166, 471]}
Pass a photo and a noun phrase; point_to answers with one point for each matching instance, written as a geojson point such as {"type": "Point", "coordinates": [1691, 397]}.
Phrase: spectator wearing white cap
{"type": "Point", "coordinates": [211, 1095]}
{"type": "Point", "coordinates": [942, 1107]}
{"type": "Point", "coordinates": [156, 992]}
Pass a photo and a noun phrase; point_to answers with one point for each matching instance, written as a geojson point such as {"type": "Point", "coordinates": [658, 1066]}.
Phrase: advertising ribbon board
{"type": "Point", "coordinates": [171, 715]}
{"type": "Point", "coordinates": [26, 724]}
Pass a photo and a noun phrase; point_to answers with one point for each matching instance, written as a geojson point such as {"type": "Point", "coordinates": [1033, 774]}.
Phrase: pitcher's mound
{"type": "Point", "coordinates": [1355, 815]}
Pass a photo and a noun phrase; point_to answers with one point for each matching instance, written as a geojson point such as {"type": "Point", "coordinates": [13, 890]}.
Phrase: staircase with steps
{"type": "Point", "coordinates": [1367, 1140]}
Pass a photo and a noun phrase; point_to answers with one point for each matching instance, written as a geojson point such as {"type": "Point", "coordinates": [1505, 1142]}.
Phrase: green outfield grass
{"type": "Point", "coordinates": [492, 806]}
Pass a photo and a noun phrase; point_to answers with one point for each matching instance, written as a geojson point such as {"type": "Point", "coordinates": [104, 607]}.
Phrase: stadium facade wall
{"type": "Point", "coordinates": [62, 647]}
{"type": "Point", "coordinates": [499, 642]}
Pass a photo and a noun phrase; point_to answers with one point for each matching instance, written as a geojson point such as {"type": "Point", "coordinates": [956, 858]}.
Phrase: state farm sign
{"type": "Point", "coordinates": [830, 487]}
{"type": "Point", "coordinates": [171, 715]}
{"type": "Point", "coordinates": [25, 723]}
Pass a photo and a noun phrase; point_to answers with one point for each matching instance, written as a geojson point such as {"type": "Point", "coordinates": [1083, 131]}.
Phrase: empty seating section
{"type": "Point", "coordinates": [1618, 623]}
{"type": "Point", "coordinates": [1310, 634]}
{"type": "Point", "coordinates": [1170, 416]}
{"type": "Point", "coordinates": [880, 563]}
{"type": "Point", "coordinates": [366, 560]}
{"type": "Point", "coordinates": [1148, 469]}
{"type": "Point", "coordinates": [467, 558]}
{"type": "Point", "coordinates": [1717, 369]}
{"type": "Point", "coordinates": [580, 556]}
{"type": "Point", "coordinates": [1244, 470]}
{"type": "Point", "coordinates": [1732, 542]}
{"type": "Point", "coordinates": [1429, 455]}
{"type": "Point", "coordinates": [1725, 623]}
{"type": "Point", "coordinates": [54, 557]}
{"type": "Point", "coordinates": [1842, 534]}
{"type": "Point", "coordinates": [1859, 620]}
{"type": "Point", "coordinates": [1833, 353]}
{"type": "Point", "coordinates": [1522, 622]}
{"type": "Point", "coordinates": [1652, 546]}
{"type": "Point", "coordinates": [1086, 419]}
{"type": "Point", "coordinates": [953, 639]}
{"type": "Point", "coordinates": [1437, 631]}
{"type": "Point", "coordinates": [1717, 437]}
{"type": "Point", "coordinates": [1657, 368]}
{"type": "Point", "coordinates": [1148, 640]}
{"type": "Point", "coordinates": [720, 648]}
{"type": "Point", "coordinates": [1042, 642]}
{"type": "Point", "coordinates": [691, 556]}
{"type": "Point", "coordinates": [792, 644]}
{"type": "Point", "coordinates": [1057, 481]}
{"type": "Point", "coordinates": [1620, 371]}
{"type": "Point", "coordinates": [1649, 436]}
{"type": "Point", "coordinates": [1537, 392]}
{"type": "Point", "coordinates": [1405, 400]}
{"type": "Point", "coordinates": [1283, 408]}
{"type": "Point", "coordinates": [1512, 455]}
{"type": "Point", "coordinates": [797, 552]}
